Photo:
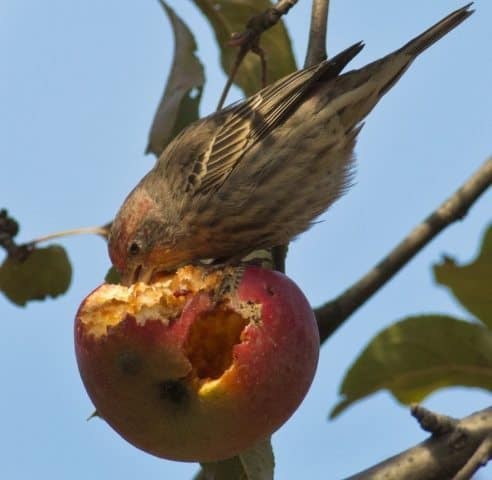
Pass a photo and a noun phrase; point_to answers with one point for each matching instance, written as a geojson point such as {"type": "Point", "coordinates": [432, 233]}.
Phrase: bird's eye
{"type": "Point", "coordinates": [134, 249]}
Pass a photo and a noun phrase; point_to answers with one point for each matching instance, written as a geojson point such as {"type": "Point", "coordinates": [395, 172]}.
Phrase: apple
{"type": "Point", "coordinates": [184, 375]}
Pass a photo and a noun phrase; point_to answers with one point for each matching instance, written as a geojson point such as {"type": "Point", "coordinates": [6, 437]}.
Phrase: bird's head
{"type": "Point", "coordinates": [136, 239]}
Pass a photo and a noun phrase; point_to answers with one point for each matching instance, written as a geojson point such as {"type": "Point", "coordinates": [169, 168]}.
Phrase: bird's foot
{"type": "Point", "coordinates": [231, 279]}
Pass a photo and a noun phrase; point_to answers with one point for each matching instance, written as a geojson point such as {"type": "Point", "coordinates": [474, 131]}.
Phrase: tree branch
{"type": "Point", "coordinates": [249, 40]}
{"type": "Point", "coordinates": [432, 422]}
{"type": "Point", "coordinates": [479, 459]}
{"type": "Point", "coordinates": [442, 455]}
{"type": "Point", "coordinates": [331, 315]}
{"type": "Point", "coordinates": [316, 50]}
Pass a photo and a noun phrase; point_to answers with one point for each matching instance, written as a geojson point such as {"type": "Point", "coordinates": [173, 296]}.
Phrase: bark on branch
{"type": "Point", "coordinates": [334, 313]}
{"type": "Point", "coordinates": [455, 452]}
{"type": "Point", "coordinates": [316, 50]}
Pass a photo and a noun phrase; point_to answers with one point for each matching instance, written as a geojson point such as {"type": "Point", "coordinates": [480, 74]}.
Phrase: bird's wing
{"type": "Point", "coordinates": [236, 129]}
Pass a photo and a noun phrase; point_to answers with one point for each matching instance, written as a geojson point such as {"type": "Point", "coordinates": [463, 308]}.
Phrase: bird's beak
{"type": "Point", "coordinates": [136, 274]}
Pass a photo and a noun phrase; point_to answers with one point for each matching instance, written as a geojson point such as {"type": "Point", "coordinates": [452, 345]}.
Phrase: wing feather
{"type": "Point", "coordinates": [247, 122]}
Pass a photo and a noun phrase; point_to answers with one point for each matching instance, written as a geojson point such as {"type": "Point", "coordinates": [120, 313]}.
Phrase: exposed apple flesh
{"type": "Point", "coordinates": [186, 377]}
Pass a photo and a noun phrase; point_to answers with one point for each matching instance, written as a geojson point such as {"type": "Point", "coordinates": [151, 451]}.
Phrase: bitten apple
{"type": "Point", "coordinates": [186, 376]}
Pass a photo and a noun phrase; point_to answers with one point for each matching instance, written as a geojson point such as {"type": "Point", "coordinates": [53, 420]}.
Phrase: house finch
{"type": "Point", "coordinates": [257, 173]}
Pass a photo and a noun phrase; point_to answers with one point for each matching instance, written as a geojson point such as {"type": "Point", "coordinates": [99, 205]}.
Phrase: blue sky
{"type": "Point", "coordinates": [80, 84]}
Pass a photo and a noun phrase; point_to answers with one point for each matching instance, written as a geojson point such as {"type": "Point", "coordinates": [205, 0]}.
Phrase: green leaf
{"type": "Point", "coordinates": [419, 355]}
{"type": "Point", "coordinates": [229, 16]}
{"type": "Point", "coordinates": [181, 99]}
{"type": "Point", "coordinates": [256, 463]}
{"type": "Point", "coordinates": [471, 284]}
{"type": "Point", "coordinates": [113, 276]}
{"type": "Point", "coordinates": [46, 272]}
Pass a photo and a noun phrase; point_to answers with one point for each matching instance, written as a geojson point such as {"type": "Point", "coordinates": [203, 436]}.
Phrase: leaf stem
{"type": "Point", "coordinates": [102, 231]}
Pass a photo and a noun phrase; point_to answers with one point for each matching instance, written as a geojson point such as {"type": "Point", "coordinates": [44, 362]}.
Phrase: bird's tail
{"type": "Point", "coordinates": [355, 93]}
{"type": "Point", "coordinates": [423, 41]}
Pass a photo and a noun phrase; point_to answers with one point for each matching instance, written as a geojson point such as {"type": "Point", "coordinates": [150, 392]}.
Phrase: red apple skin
{"type": "Point", "coordinates": [142, 383]}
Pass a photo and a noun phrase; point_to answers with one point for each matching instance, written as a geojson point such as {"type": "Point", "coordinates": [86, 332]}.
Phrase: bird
{"type": "Point", "coordinates": [259, 172]}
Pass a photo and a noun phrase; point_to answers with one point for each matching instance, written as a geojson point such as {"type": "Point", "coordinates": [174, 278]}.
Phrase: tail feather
{"type": "Point", "coordinates": [420, 43]}
{"type": "Point", "coordinates": [354, 94]}
{"type": "Point", "coordinates": [331, 68]}
{"type": "Point", "coordinates": [411, 50]}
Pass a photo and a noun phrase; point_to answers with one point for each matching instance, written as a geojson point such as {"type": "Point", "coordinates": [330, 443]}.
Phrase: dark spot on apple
{"type": "Point", "coordinates": [270, 291]}
{"type": "Point", "coordinates": [129, 363]}
{"type": "Point", "coordinates": [173, 390]}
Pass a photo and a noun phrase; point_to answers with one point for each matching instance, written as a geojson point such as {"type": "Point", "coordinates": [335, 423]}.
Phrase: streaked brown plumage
{"type": "Point", "coordinates": [258, 173]}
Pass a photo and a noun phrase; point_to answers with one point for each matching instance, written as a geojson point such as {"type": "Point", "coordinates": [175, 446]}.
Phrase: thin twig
{"type": "Point", "coordinates": [9, 228]}
{"type": "Point", "coordinates": [433, 422]}
{"type": "Point", "coordinates": [279, 254]}
{"type": "Point", "coordinates": [482, 455]}
{"type": "Point", "coordinates": [249, 40]}
{"type": "Point", "coordinates": [439, 456]}
{"type": "Point", "coordinates": [103, 231]}
{"type": "Point", "coordinates": [331, 315]}
{"type": "Point", "coordinates": [316, 50]}
{"type": "Point", "coordinates": [239, 58]}
{"type": "Point", "coordinates": [263, 64]}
